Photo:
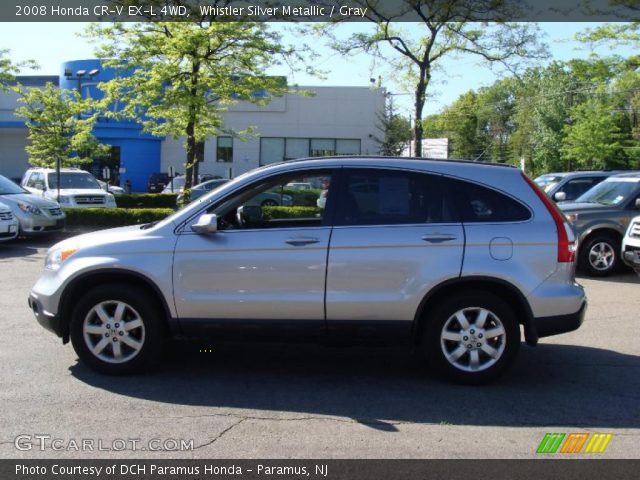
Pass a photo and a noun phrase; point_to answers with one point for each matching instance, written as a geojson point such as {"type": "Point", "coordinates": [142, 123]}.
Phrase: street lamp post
{"type": "Point", "coordinates": [79, 75]}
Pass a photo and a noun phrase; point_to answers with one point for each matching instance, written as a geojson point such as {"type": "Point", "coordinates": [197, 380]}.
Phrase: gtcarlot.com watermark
{"type": "Point", "coordinates": [27, 442]}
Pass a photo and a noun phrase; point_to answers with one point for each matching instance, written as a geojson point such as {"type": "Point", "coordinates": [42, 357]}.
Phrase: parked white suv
{"type": "Point", "coordinates": [451, 257]}
{"type": "Point", "coordinates": [78, 188]}
{"type": "Point", "coordinates": [631, 245]}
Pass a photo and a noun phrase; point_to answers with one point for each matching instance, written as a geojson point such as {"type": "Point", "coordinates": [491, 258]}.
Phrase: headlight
{"type": "Point", "coordinates": [55, 258]}
{"type": "Point", "coordinates": [572, 217]}
{"type": "Point", "coordinates": [30, 209]}
{"type": "Point", "coordinates": [64, 199]}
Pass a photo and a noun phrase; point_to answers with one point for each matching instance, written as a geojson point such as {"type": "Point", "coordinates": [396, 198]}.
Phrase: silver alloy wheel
{"type": "Point", "coordinates": [473, 339]}
{"type": "Point", "coordinates": [602, 256]}
{"type": "Point", "coordinates": [113, 331]}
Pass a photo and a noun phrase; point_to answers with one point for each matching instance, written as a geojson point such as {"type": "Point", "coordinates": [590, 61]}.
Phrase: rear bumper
{"type": "Point", "coordinates": [48, 320]}
{"type": "Point", "coordinates": [555, 325]}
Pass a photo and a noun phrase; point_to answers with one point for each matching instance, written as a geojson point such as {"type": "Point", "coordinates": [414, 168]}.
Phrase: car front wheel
{"type": "Point", "coordinates": [472, 338]}
{"type": "Point", "coordinates": [117, 330]}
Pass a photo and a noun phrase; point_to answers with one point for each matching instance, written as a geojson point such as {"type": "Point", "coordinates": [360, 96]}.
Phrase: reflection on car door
{"type": "Point", "coordinates": [389, 246]}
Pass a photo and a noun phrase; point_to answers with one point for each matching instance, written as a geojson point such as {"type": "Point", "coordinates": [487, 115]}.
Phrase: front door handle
{"type": "Point", "coordinates": [297, 241]}
{"type": "Point", "coordinates": [438, 237]}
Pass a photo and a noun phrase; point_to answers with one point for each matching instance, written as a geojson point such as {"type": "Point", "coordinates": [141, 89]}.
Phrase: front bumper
{"type": "Point", "coordinates": [48, 320]}
{"type": "Point", "coordinates": [555, 325]}
{"type": "Point", "coordinates": [631, 256]}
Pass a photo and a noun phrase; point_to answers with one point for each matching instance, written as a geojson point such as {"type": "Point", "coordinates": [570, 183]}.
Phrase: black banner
{"type": "Point", "coordinates": [319, 10]}
{"type": "Point", "coordinates": [560, 468]}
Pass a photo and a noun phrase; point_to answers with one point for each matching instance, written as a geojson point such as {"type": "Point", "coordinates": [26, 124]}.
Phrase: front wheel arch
{"type": "Point", "coordinates": [79, 284]}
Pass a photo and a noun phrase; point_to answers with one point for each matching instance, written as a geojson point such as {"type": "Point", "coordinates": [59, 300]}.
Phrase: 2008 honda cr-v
{"type": "Point", "coordinates": [453, 256]}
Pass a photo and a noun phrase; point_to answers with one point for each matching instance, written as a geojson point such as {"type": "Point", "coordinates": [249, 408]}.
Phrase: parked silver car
{"type": "Point", "coordinates": [34, 213]}
{"type": "Point", "coordinates": [8, 224]}
{"type": "Point", "coordinates": [453, 257]}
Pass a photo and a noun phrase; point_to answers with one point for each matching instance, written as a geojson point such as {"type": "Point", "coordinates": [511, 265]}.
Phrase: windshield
{"type": "Point", "coordinates": [7, 187]}
{"type": "Point", "coordinates": [73, 180]}
{"type": "Point", "coordinates": [612, 192]}
{"type": "Point", "coordinates": [547, 182]}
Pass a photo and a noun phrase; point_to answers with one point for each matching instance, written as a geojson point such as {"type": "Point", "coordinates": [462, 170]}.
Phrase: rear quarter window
{"type": "Point", "coordinates": [475, 203]}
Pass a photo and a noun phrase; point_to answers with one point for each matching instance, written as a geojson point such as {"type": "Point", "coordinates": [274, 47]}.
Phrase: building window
{"type": "Point", "coordinates": [278, 149]}
{"type": "Point", "coordinates": [347, 147]}
{"type": "Point", "coordinates": [271, 150]}
{"type": "Point", "coordinates": [199, 152]}
{"type": "Point", "coordinates": [224, 149]}
{"type": "Point", "coordinates": [296, 148]}
{"type": "Point", "coordinates": [323, 147]}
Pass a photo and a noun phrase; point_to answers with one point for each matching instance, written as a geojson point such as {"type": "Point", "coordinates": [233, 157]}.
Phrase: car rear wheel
{"type": "Point", "coordinates": [472, 338]}
{"type": "Point", "coordinates": [599, 255]}
{"type": "Point", "coordinates": [117, 330]}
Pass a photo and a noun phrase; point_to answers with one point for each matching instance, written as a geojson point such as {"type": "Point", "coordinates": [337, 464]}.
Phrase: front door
{"type": "Point", "coordinates": [266, 263]}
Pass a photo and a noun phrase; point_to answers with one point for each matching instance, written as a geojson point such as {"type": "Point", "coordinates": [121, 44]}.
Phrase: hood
{"type": "Point", "coordinates": [101, 237]}
{"type": "Point", "coordinates": [584, 207]}
{"type": "Point", "coordinates": [29, 198]}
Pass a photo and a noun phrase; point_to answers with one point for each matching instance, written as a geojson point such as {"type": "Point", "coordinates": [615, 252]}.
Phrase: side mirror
{"type": "Point", "coordinates": [207, 224]}
{"type": "Point", "coordinates": [249, 214]}
{"type": "Point", "coordinates": [560, 196]}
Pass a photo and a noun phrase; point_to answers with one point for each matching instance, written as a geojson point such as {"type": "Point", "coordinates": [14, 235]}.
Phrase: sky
{"type": "Point", "coordinates": [51, 44]}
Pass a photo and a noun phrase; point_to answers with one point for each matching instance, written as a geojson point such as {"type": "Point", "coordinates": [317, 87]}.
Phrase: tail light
{"type": "Point", "coordinates": [566, 239]}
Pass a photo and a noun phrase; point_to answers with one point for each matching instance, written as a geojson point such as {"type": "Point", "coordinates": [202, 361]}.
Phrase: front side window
{"type": "Point", "coordinates": [387, 197]}
{"type": "Point", "coordinates": [274, 204]}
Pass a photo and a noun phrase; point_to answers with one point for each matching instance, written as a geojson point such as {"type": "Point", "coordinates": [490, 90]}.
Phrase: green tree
{"type": "Point", "coordinates": [396, 129]}
{"type": "Point", "coordinates": [595, 139]}
{"type": "Point", "coordinates": [59, 125]}
{"type": "Point", "coordinates": [448, 27]}
{"type": "Point", "coordinates": [181, 76]}
{"type": "Point", "coordinates": [9, 69]}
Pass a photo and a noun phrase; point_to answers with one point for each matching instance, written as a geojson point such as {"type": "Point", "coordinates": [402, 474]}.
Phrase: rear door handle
{"type": "Point", "coordinates": [438, 237]}
{"type": "Point", "coordinates": [297, 241]}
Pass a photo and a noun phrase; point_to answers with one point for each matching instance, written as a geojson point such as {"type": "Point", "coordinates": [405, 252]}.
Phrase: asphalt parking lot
{"type": "Point", "coordinates": [283, 401]}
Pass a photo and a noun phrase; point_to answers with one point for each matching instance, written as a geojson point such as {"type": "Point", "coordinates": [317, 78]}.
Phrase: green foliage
{"type": "Point", "coordinates": [182, 76]}
{"type": "Point", "coordinates": [290, 212]}
{"type": "Point", "coordinates": [396, 129]}
{"type": "Point", "coordinates": [113, 217]}
{"type": "Point", "coordinates": [9, 69]}
{"type": "Point", "coordinates": [59, 125]}
{"type": "Point", "coordinates": [146, 200]}
{"type": "Point", "coordinates": [448, 29]}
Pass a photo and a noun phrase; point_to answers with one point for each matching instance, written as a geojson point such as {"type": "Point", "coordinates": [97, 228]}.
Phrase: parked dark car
{"type": "Point", "coordinates": [567, 186]}
{"type": "Point", "coordinates": [600, 218]}
{"type": "Point", "coordinates": [157, 182]}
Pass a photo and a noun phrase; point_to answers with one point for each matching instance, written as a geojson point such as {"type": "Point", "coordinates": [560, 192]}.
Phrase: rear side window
{"type": "Point", "coordinates": [389, 197]}
{"type": "Point", "coordinates": [474, 203]}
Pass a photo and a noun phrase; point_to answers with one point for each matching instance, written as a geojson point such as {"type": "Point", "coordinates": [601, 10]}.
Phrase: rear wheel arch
{"type": "Point", "coordinates": [87, 281]}
{"type": "Point", "coordinates": [501, 288]}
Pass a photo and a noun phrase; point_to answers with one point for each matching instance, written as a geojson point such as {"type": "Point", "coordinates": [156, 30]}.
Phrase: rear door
{"type": "Point", "coordinates": [392, 241]}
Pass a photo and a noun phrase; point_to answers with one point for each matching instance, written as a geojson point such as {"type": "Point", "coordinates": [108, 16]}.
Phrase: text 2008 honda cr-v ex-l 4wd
{"type": "Point", "coordinates": [452, 256]}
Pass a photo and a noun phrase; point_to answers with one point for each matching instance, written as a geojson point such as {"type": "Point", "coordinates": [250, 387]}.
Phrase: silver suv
{"type": "Point", "coordinates": [452, 257]}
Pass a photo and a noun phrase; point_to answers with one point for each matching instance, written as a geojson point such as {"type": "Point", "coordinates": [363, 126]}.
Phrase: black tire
{"type": "Point", "coordinates": [269, 203]}
{"type": "Point", "coordinates": [588, 260]}
{"type": "Point", "coordinates": [151, 336]}
{"type": "Point", "coordinates": [472, 304]}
